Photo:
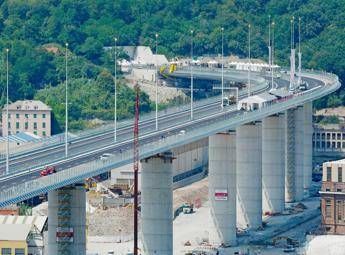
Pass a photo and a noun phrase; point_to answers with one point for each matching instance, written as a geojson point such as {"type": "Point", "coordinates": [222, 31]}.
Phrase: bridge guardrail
{"type": "Point", "coordinates": [229, 121]}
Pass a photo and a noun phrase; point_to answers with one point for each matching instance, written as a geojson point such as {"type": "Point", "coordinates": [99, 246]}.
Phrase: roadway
{"type": "Point", "coordinates": [92, 147]}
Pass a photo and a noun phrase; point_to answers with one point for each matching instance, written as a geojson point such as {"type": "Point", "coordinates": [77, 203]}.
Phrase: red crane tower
{"type": "Point", "coordinates": [136, 165]}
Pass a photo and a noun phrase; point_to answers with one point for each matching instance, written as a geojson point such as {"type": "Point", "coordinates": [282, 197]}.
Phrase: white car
{"type": "Point", "coordinates": [105, 156]}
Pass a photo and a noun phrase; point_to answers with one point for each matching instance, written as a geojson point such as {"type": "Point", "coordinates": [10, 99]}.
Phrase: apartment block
{"type": "Point", "coordinates": [27, 116]}
{"type": "Point", "coordinates": [333, 197]}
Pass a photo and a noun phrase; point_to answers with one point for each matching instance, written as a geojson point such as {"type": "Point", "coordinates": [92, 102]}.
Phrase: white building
{"type": "Point", "coordinates": [27, 116]}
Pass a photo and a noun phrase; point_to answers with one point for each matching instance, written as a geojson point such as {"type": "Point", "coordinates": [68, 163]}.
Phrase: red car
{"type": "Point", "coordinates": [48, 170]}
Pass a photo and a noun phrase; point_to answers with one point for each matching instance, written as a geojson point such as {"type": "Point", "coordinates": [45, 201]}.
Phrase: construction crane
{"type": "Point", "coordinates": [136, 166]}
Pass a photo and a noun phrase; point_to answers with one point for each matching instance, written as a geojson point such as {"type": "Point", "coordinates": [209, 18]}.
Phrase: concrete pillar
{"type": "Point", "coordinates": [156, 205]}
{"type": "Point", "coordinates": [290, 155]}
{"type": "Point", "coordinates": [67, 221]}
{"type": "Point", "coordinates": [222, 187]}
{"type": "Point", "coordinates": [273, 164]}
{"type": "Point", "coordinates": [299, 153]}
{"type": "Point", "coordinates": [308, 146]}
{"type": "Point", "coordinates": [249, 175]}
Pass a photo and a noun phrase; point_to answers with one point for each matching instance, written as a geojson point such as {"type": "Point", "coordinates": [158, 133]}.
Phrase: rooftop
{"type": "Point", "coordinates": [14, 232]}
{"type": "Point", "coordinates": [28, 105]}
{"type": "Point", "coordinates": [21, 137]}
{"type": "Point", "coordinates": [9, 221]}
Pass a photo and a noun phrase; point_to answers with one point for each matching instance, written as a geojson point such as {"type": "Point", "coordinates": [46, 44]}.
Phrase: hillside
{"type": "Point", "coordinates": [26, 27]}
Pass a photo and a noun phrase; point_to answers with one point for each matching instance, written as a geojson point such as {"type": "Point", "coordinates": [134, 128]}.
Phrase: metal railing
{"type": "Point", "coordinates": [193, 133]}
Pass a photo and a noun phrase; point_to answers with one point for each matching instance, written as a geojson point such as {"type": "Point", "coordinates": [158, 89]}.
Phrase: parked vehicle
{"type": "Point", "coordinates": [48, 170]}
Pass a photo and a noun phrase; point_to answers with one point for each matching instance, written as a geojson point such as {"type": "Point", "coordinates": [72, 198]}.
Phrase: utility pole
{"type": "Point", "coordinates": [156, 83]}
{"type": "Point", "coordinates": [136, 167]}
{"type": "Point", "coordinates": [191, 76]}
{"type": "Point", "coordinates": [222, 29]}
{"type": "Point", "coordinates": [115, 90]}
{"type": "Point", "coordinates": [66, 106]}
{"type": "Point", "coordinates": [7, 103]}
{"type": "Point", "coordinates": [249, 62]}
{"type": "Point", "coordinates": [299, 53]}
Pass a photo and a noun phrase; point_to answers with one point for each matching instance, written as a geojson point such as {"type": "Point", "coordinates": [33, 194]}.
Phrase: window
{"type": "Point", "coordinates": [35, 132]}
{"type": "Point", "coordinates": [26, 125]}
{"type": "Point", "coordinates": [6, 251]}
{"type": "Point", "coordinates": [340, 174]}
{"type": "Point", "coordinates": [43, 125]}
{"type": "Point", "coordinates": [328, 145]}
{"type": "Point", "coordinates": [328, 209]}
{"type": "Point", "coordinates": [9, 124]}
{"type": "Point", "coordinates": [338, 145]}
{"type": "Point", "coordinates": [19, 251]}
{"type": "Point", "coordinates": [333, 135]}
{"type": "Point", "coordinates": [323, 136]}
{"type": "Point", "coordinates": [9, 115]}
{"type": "Point", "coordinates": [338, 190]}
{"type": "Point", "coordinates": [26, 115]}
{"type": "Point", "coordinates": [338, 136]}
{"type": "Point", "coordinates": [327, 190]}
{"type": "Point", "coordinates": [44, 133]}
{"type": "Point", "coordinates": [339, 210]}
{"type": "Point", "coordinates": [43, 115]}
{"type": "Point", "coordinates": [35, 125]}
{"type": "Point", "coordinates": [35, 115]}
{"type": "Point", "coordinates": [17, 125]}
{"type": "Point", "coordinates": [329, 174]}
{"type": "Point", "coordinates": [17, 115]}
{"type": "Point", "coordinates": [328, 136]}
{"type": "Point", "coordinates": [318, 135]}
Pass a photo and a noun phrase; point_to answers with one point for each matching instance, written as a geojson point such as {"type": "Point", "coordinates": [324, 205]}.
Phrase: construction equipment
{"type": "Point", "coordinates": [187, 208]}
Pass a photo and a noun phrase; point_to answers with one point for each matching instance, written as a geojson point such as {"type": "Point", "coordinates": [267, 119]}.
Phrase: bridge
{"type": "Point", "coordinates": [258, 160]}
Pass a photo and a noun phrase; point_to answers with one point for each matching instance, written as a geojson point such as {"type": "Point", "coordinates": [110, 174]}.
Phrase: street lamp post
{"type": "Point", "coordinates": [115, 90]}
{"type": "Point", "coordinates": [191, 75]}
{"type": "Point", "coordinates": [272, 55]}
{"type": "Point", "coordinates": [66, 106]}
{"type": "Point", "coordinates": [249, 65]}
{"type": "Point", "coordinates": [156, 83]}
{"type": "Point", "coordinates": [299, 53]}
{"type": "Point", "coordinates": [7, 103]}
{"type": "Point", "coordinates": [222, 30]}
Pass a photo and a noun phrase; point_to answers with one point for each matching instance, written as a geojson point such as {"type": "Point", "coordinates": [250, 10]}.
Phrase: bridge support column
{"type": "Point", "coordinates": [222, 187]}
{"type": "Point", "coordinates": [273, 167]}
{"type": "Point", "coordinates": [299, 152]}
{"type": "Point", "coordinates": [249, 175]}
{"type": "Point", "coordinates": [308, 146]}
{"type": "Point", "coordinates": [294, 159]}
{"type": "Point", "coordinates": [67, 221]}
{"type": "Point", "coordinates": [156, 205]}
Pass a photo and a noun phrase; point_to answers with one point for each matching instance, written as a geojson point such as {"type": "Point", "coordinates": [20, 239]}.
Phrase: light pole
{"type": "Point", "coordinates": [66, 106]}
{"type": "Point", "coordinates": [115, 90]}
{"type": "Point", "coordinates": [299, 52]}
{"type": "Point", "coordinates": [249, 65]}
{"type": "Point", "coordinates": [269, 42]}
{"type": "Point", "coordinates": [292, 57]}
{"type": "Point", "coordinates": [272, 55]}
{"type": "Point", "coordinates": [191, 75]}
{"type": "Point", "coordinates": [156, 83]}
{"type": "Point", "coordinates": [7, 102]}
{"type": "Point", "coordinates": [222, 30]}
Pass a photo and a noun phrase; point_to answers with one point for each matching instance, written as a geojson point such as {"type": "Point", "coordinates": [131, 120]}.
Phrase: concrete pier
{"type": "Point", "coordinates": [299, 153]}
{"type": "Point", "coordinates": [222, 187]}
{"type": "Point", "coordinates": [308, 147]}
{"type": "Point", "coordinates": [67, 221]}
{"type": "Point", "coordinates": [156, 205]}
{"type": "Point", "coordinates": [249, 175]}
{"type": "Point", "coordinates": [273, 164]}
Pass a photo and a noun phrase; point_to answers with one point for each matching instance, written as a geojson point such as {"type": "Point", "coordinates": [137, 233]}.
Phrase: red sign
{"type": "Point", "coordinates": [221, 194]}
